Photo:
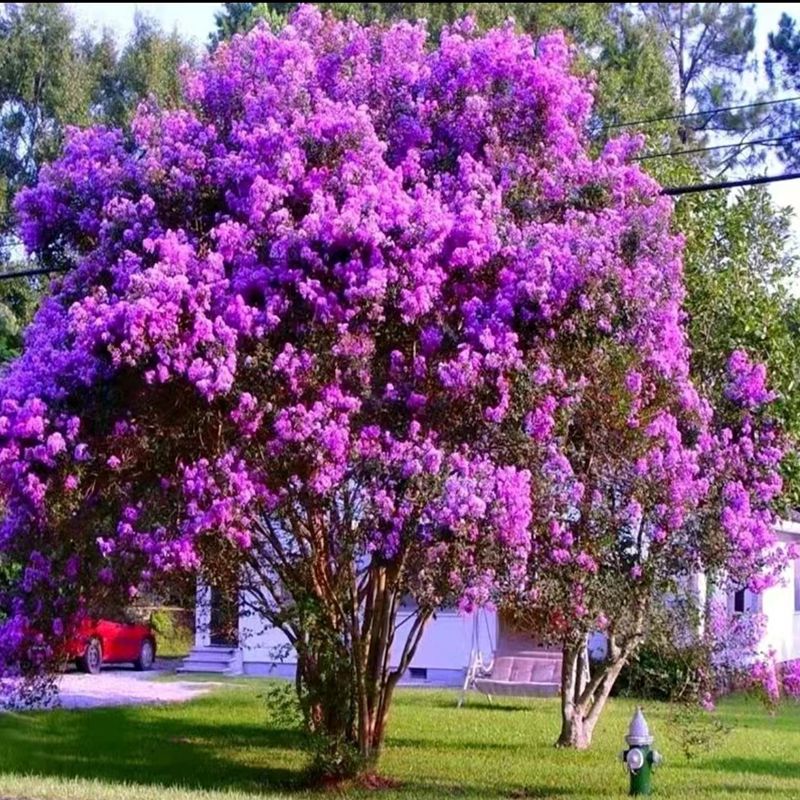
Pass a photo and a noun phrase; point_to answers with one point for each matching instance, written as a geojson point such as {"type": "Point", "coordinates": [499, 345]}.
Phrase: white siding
{"type": "Point", "coordinates": [777, 604]}
{"type": "Point", "coordinates": [447, 640]}
{"type": "Point", "coordinates": [445, 644]}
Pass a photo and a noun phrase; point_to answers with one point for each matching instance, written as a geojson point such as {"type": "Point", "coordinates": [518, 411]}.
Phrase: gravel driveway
{"type": "Point", "coordinates": [123, 687]}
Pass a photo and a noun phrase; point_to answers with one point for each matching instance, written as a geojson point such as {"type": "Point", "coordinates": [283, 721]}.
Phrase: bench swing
{"type": "Point", "coordinates": [512, 671]}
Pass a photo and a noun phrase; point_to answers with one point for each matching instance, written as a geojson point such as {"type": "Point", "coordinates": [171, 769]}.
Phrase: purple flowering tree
{"type": "Point", "coordinates": [283, 356]}
{"type": "Point", "coordinates": [645, 488]}
{"type": "Point", "coordinates": [364, 326]}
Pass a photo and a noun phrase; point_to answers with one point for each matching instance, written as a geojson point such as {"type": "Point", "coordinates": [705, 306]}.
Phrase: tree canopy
{"type": "Point", "coordinates": [783, 70]}
{"type": "Point", "coordinates": [367, 326]}
{"type": "Point", "coordinates": [54, 75]}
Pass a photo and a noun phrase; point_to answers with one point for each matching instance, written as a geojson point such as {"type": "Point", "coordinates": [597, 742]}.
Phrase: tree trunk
{"type": "Point", "coordinates": [342, 621]}
{"type": "Point", "coordinates": [574, 680]}
{"type": "Point", "coordinates": [574, 731]}
{"type": "Point", "coordinates": [346, 680]}
{"type": "Point", "coordinates": [583, 697]}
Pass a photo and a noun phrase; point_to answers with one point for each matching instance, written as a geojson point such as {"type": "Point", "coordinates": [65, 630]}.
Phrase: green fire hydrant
{"type": "Point", "coordinates": [640, 758]}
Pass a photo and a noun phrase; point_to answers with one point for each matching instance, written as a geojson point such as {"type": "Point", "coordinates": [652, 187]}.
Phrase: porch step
{"type": "Point", "coordinates": [213, 659]}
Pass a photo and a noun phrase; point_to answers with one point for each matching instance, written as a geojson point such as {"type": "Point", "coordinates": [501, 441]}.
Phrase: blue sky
{"type": "Point", "coordinates": [196, 20]}
{"type": "Point", "coordinates": [767, 16]}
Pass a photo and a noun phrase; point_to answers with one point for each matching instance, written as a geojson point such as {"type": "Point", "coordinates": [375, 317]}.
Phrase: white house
{"type": "Point", "coordinates": [451, 643]}
{"type": "Point", "coordinates": [452, 640]}
{"type": "Point", "coordinates": [779, 604]}
{"type": "Point", "coordinates": [448, 646]}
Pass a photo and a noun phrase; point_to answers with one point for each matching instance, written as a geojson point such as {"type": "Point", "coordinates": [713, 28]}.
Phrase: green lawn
{"type": "Point", "coordinates": [222, 747]}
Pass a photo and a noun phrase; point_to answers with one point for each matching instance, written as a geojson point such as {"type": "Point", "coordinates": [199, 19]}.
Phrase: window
{"type": "Point", "coordinates": [797, 585]}
{"type": "Point", "coordinates": [418, 673]}
{"type": "Point", "coordinates": [738, 602]}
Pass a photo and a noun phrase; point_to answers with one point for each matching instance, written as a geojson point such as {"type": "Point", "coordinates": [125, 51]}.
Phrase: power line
{"type": "Point", "coordinates": [770, 140]}
{"type": "Point", "coordinates": [711, 112]}
{"type": "Point", "coordinates": [693, 188]}
{"type": "Point", "coordinates": [671, 191]}
{"type": "Point", "coordinates": [30, 273]}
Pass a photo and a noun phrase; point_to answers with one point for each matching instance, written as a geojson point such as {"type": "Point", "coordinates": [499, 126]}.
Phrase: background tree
{"type": "Point", "coordinates": [149, 66]}
{"type": "Point", "coordinates": [711, 48]}
{"type": "Point", "coordinates": [634, 79]}
{"type": "Point", "coordinates": [783, 70]}
{"type": "Point", "coordinates": [235, 18]}
{"type": "Point", "coordinates": [18, 301]}
{"type": "Point", "coordinates": [741, 267]}
{"type": "Point", "coordinates": [44, 85]}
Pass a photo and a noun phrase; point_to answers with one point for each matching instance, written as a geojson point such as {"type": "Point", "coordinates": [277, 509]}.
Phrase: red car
{"type": "Point", "coordinates": [104, 642]}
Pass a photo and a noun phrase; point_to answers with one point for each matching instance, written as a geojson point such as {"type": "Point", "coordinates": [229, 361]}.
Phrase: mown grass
{"type": "Point", "coordinates": [222, 747]}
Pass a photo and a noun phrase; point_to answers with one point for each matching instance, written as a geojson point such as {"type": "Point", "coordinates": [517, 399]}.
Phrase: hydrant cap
{"type": "Point", "coordinates": [639, 732]}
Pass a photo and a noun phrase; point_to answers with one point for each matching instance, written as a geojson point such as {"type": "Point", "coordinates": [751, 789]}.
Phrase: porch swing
{"type": "Point", "coordinates": [519, 667]}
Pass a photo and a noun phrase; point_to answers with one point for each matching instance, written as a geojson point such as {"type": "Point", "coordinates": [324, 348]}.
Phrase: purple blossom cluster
{"type": "Point", "coordinates": [364, 291]}
{"type": "Point", "coordinates": [737, 658]}
{"type": "Point", "coordinates": [747, 381]}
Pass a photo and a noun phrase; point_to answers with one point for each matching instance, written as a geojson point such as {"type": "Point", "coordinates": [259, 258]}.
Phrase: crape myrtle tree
{"type": "Point", "coordinates": [648, 488]}
{"type": "Point", "coordinates": [289, 345]}
{"type": "Point", "coordinates": [326, 330]}
{"type": "Point", "coordinates": [599, 570]}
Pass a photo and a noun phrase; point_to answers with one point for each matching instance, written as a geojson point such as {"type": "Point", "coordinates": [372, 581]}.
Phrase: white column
{"type": "Point", "coordinates": [698, 587]}
{"type": "Point", "coordinates": [202, 615]}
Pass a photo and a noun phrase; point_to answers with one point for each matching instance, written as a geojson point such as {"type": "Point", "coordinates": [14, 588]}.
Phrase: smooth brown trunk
{"type": "Point", "coordinates": [575, 732]}
{"type": "Point", "coordinates": [583, 697]}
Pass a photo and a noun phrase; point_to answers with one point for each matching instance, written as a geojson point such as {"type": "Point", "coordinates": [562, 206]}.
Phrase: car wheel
{"type": "Point", "coordinates": [92, 659]}
{"type": "Point", "coordinates": [147, 655]}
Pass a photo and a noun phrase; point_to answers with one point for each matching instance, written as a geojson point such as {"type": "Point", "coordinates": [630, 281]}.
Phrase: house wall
{"type": "Point", "coordinates": [777, 604]}
{"type": "Point", "coordinates": [443, 653]}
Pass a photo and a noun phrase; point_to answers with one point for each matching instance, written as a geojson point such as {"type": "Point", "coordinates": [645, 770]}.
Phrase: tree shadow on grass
{"type": "Point", "coordinates": [509, 748]}
{"type": "Point", "coordinates": [217, 742]}
{"type": "Point", "coordinates": [774, 767]}
{"type": "Point", "coordinates": [159, 747]}
{"type": "Point", "coordinates": [118, 745]}
{"type": "Point", "coordinates": [423, 789]}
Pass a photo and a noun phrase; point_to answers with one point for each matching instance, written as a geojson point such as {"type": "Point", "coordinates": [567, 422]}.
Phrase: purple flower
{"type": "Point", "coordinates": [326, 310]}
{"type": "Point", "coordinates": [747, 381]}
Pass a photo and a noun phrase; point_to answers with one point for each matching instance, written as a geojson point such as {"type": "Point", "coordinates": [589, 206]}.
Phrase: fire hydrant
{"type": "Point", "coordinates": [640, 758]}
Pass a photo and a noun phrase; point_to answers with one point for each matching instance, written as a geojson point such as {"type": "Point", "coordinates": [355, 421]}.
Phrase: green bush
{"type": "Point", "coordinates": [664, 671]}
{"type": "Point", "coordinates": [174, 629]}
{"type": "Point", "coordinates": [657, 673]}
{"type": "Point", "coordinates": [328, 757]}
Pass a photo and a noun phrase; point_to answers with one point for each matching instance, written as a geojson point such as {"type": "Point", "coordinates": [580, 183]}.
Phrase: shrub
{"type": "Point", "coordinates": [659, 673]}
{"type": "Point", "coordinates": [174, 628]}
